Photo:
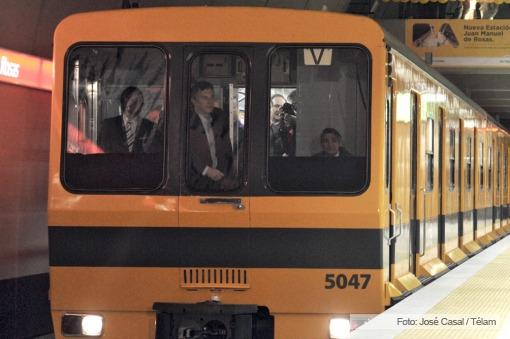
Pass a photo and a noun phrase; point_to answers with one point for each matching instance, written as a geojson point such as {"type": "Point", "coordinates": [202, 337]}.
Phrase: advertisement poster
{"type": "Point", "coordinates": [460, 43]}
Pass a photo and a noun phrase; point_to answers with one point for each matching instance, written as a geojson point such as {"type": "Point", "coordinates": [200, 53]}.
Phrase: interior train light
{"type": "Point", "coordinates": [89, 325]}
{"type": "Point", "coordinates": [339, 328]}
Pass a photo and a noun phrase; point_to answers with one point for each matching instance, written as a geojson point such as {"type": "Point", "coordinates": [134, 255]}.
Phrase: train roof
{"type": "Point", "coordinates": [394, 43]}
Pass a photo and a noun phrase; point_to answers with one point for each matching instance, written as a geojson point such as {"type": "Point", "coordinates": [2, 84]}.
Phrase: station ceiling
{"type": "Point", "coordinates": [27, 26]}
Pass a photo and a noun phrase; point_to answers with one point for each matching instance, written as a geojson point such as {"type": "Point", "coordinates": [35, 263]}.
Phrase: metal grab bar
{"type": "Point", "coordinates": [399, 210]}
{"type": "Point", "coordinates": [394, 214]}
{"type": "Point", "coordinates": [235, 202]}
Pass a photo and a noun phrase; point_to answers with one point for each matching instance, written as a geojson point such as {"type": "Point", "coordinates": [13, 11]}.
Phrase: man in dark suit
{"type": "Point", "coordinates": [130, 133]}
{"type": "Point", "coordinates": [209, 147]}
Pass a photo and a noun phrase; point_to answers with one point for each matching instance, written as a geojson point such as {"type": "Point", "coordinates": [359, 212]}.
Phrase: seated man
{"type": "Point", "coordinates": [331, 143]}
{"type": "Point", "coordinates": [130, 133]}
{"type": "Point", "coordinates": [210, 151]}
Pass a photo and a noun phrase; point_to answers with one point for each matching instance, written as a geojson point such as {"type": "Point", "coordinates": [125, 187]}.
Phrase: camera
{"type": "Point", "coordinates": [287, 115]}
{"type": "Point", "coordinates": [288, 109]}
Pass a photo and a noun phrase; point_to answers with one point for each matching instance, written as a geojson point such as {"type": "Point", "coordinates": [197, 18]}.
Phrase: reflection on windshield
{"type": "Point", "coordinates": [77, 142]}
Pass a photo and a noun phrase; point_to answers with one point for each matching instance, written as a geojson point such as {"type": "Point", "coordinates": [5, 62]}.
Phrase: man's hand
{"type": "Point", "coordinates": [214, 174]}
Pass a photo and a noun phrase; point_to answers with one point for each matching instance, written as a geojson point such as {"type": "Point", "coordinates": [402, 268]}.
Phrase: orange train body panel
{"type": "Point", "coordinates": [293, 291]}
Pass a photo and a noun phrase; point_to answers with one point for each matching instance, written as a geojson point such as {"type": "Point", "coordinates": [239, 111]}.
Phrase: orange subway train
{"type": "Point", "coordinates": [215, 174]}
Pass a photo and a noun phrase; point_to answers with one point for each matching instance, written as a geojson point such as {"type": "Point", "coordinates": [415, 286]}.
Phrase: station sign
{"type": "Point", "coordinates": [25, 70]}
{"type": "Point", "coordinates": [460, 43]}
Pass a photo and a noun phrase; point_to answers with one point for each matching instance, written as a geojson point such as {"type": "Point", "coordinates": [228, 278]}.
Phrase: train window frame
{"type": "Point", "coordinates": [388, 135]}
{"type": "Point", "coordinates": [65, 159]}
{"type": "Point", "coordinates": [414, 109]}
{"type": "Point", "coordinates": [451, 158]}
{"type": "Point", "coordinates": [429, 153]}
{"type": "Point", "coordinates": [489, 167]}
{"type": "Point", "coordinates": [469, 164]}
{"type": "Point", "coordinates": [505, 170]}
{"type": "Point", "coordinates": [293, 190]}
{"type": "Point", "coordinates": [498, 170]}
{"type": "Point", "coordinates": [480, 165]}
{"type": "Point", "coordinates": [190, 59]}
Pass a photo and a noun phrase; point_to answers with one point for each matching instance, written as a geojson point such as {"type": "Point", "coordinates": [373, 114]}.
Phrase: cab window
{"type": "Point", "coordinates": [216, 120]}
{"type": "Point", "coordinates": [318, 114]}
{"type": "Point", "coordinates": [114, 118]}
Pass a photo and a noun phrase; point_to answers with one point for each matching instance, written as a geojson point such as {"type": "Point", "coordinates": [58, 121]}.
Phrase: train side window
{"type": "Point", "coordinates": [388, 135]}
{"type": "Point", "coordinates": [469, 162]}
{"type": "Point", "coordinates": [505, 171]}
{"type": "Point", "coordinates": [489, 169]}
{"type": "Point", "coordinates": [498, 172]}
{"type": "Point", "coordinates": [414, 107]}
{"type": "Point", "coordinates": [481, 160]}
{"type": "Point", "coordinates": [452, 159]}
{"type": "Point", "coordinates": [216, 116]}
{"type": "Point", "coordinates": [318, 114]}
{"type": "Point", "coordinates": [429, 154]}
{"type": "Point", "coordinates": [114, 118]}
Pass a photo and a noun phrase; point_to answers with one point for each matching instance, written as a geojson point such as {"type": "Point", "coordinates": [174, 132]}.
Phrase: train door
{"type": "Point", "coordinates": [467, 196]}
{"type": "Point", "coordinates": [427, 259]}
{"type": "Point", "coordinates": [497, 184]}
{"type": "Point", "coordinates": [450, 197]}
{"type": "Point", "coordinates": [442, 208]}
{"type": "Point", "coordinates": [415, 109]}
{"type": "Point", "coordinates": [403, 190]}
{"type": "Point", "coordinates": [480, 185]}
{"type": "Point", "coordinates": [388, 248]}
{"type": "Point", "coordinates": [501, 182]}
{"type": "Point", "coordinates": [489, 208]}
{"type": "Point", "coordinates": [216, 83]}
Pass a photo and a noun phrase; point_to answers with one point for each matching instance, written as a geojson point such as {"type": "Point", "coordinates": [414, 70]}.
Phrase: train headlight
{"type": "Point", "coordinates": [89, 325]}
{"type": "Point", "coordinates": [339, 328]}
{"type": "Point", "coordinates": [92, 325]}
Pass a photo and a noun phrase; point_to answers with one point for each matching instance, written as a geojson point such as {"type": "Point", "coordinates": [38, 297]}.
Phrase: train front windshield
{"type": "Point", "coordinates": [317, 117]}
{"type": "Point", "coordinates": [103, 83]}
{"type": "Point", "coordinates": [318, 135]}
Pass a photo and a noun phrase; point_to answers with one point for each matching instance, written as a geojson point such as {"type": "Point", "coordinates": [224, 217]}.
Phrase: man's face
{"type": "Point", "coordinates": [330, 144]}
{"type": "Point", "coordinates": [203, 101]}
{"type": "Point", "coordinates": [276, 104]}
{"type": "Point", "coordinates": [134, 105]}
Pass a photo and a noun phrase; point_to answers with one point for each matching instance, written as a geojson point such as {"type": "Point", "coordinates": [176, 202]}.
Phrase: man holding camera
{"type": "Point", "coordinates": [282, 131]}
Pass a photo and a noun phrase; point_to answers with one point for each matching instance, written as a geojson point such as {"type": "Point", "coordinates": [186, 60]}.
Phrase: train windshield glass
{"type": "Point", "coordinates": [216, 122]}
{"type": "Point", "coordinates": [319, 119]}
{"type": "Point", "coordinates": [115, 118]}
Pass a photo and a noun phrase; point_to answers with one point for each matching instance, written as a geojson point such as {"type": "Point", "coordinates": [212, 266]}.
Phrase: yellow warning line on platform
{"type": "Point", "coordinates": [479, 308]}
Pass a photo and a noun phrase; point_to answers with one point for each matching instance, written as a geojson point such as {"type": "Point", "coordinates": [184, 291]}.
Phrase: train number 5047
{"type": "Point", "coordinates": [356, 281]}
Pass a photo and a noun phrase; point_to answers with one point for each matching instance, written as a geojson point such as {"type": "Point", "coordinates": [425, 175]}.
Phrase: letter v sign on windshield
{"type": "Point", "coordinates": [318, 56]}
